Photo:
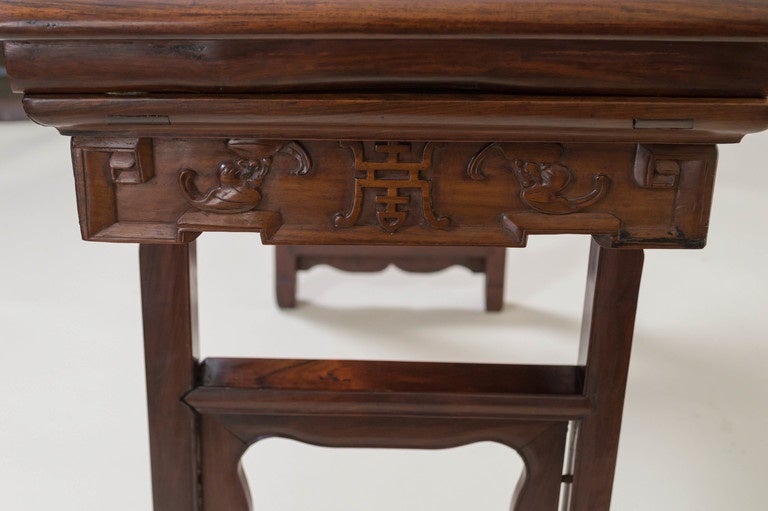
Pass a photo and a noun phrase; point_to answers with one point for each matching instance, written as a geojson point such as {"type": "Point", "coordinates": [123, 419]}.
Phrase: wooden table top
{"type": "Point", "coordinates": [644, 19]}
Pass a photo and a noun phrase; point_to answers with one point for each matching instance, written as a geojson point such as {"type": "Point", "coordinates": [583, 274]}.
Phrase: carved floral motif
{"type": "Point", "coordinates": [543, 183]}
{"type": "Point", "coordinates": [394, 211]}
{"type": "Point", "coordinates": [239, 180]}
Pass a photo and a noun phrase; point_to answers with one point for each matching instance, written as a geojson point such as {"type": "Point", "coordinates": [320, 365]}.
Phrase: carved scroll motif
{"type": "Point", "coordinates": [239, 180]}
{"type": "Point", "coordinates": [656, 171]}
{"type": "Point", "coordinates": [543, 183]}
{"type": "Point", "coordinates": [393, 207]}
{"type": "Point", "coordinates": [132, 163]}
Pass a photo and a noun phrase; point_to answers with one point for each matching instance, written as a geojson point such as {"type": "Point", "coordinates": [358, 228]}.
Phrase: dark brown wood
{"type": "Point", "coordinates": [606, 343]}
{"type": "Point", "coordinates": [386, 389]}
{"type": "Point", "coordinates": [385, 404]}
{"type": "Point", "coordinates": [423, 116]}
{"type": "Point", "coordinates": [343, 193]}
{"type": "Point", "coordinates": [224, 486]}
{"type": "Point", "coordinates": [291, 258]}
{"type": "Point", "coordinates": [391, 123]}
{"type": "Point", "coordinates": [539, 486]}
{"type": "Point", "coordinates": [495, 270]}
{"type": "Point", "coordinates": [644, 19]}
{"type": "Point", "coordinates": [170, 347]}
{"type": "Point", "coordinates": [285, 277]}
{"type": "Point", "coordinates": [10, 104]}
{"type": "Point", "coordinates": [538, 442]}
{"type": "Point", "coordinates": [354, 375]}
{"type": "Point", "coordinates": [523, 66]}
{"type": "Point", "coordinates": [382, 405]}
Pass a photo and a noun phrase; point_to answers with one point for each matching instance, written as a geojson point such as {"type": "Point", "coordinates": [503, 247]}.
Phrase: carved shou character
{"type": "Point", "coordinates": [543, 183]}
{"type": "Point", "coordinates": [392, 208]}
{"type": "Point", "coordinates": [239, 180]}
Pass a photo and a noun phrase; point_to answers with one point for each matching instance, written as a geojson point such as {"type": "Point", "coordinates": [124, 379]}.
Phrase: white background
{"type": "Point", "coordinates": [73, 430]}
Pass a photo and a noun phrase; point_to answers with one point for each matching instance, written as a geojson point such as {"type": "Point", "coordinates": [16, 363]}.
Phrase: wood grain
{"type": "Point", "coordinates": [462, 195]}
{"type": "Point", "coordinates": [223, 481]}
{"type": "Point", "coordinates": [487, 260]}
{"type": "Point", "coordinates": [170, 345]}
{"type": "Point", "coordinates": [351, 375]}
{"type": "Point", "coordinates": [38, 19]}
{"type": "Point", "coordinates": [385, 404]}
{"type": "Point", "coordinates": [613, 285]}
{"type": "Point", "coordinates": [435, 117]}
{"type": "Point", "coordinates": [527, 66]}
{"type": "Point", "coordinates": [397, 123]}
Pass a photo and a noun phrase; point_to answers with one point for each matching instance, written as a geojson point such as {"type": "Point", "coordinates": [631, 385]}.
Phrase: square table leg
{"type": "Point", "coordinates": [196, 456]}
{"type": "Point", "coordinates": [170, 344]}
{"type": "Point", "coordinates": [607, 327]}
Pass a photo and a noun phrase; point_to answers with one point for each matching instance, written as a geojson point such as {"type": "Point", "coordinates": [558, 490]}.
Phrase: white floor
{"type": "Point", "coordinates": [72, 418]}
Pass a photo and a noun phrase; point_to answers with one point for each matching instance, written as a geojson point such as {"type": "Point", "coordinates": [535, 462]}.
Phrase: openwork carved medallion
{"type": "Point", "coordinates": [239, 180]}
{"type": "Point", "coordinates": [543, 183]}
{"type": "Point", "coordinates": [392, 207]}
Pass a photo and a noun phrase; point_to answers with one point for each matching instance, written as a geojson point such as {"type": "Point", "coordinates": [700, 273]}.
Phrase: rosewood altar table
{"type": "Point", "coordinates": [352, 122]}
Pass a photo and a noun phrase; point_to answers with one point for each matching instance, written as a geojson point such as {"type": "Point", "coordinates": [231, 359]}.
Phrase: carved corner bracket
{"type": "Point", "coordinates": [393, 212]}
{"type": "Point", "coordinates": [239, 180]}
{"type": "Point", "coordinates": [102, 165]}
{"type": "Point", "coordinates": [688, 172]}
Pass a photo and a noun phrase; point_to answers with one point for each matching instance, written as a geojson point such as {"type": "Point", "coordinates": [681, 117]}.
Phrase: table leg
{"type": "Point", "coordinates": [224, 484]}
{"type": "Point", "coordinates": [539, 487]}
{"type": "Point", "coordinates": [170, 345]}
{"type": "Point", "coordinates": [494, 279]}
{"type": "Point", "coordinates": [285, 276]}
{"type": "Point", "coordinates": [606, 343]}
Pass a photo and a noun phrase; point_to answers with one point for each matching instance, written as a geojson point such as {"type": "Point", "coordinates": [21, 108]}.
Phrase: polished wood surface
{"type": "Point", "coordinates": [352, 376]}
{"type": "Point", "coordinates": [426, 116]}
{"type": "Point", "coordinates": [604, 353]}
{"type": "Point", "coordinates": [289, 259]}
{"type": "Point", "coordinates": [400, 124]}
{"type": "Point", "coordinates": [523, 66]}
{"type": "Point", "coordinates": [627, 48]}
{"type": "Point", "coordinates": [169, 309]}
{"type": "Point", "coordinates": [702, 19]}
{"type": "Point", "coordinates": [329, 192]}
{"type": "Point", "coordinates": [423, 405]}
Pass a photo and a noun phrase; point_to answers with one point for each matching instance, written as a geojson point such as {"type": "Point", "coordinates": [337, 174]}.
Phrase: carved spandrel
{"type": "Point", "coordinates": [392, 208]}
{"type": "Point", "coordinates": [239, 180]}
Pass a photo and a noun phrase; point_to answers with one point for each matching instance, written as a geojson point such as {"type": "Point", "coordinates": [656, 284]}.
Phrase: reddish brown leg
{"type": "Point", "coordinates": [170, 345]}
{"type": "Point", "coordinates": [539, 487]}
{"type": "Point", "coordinates": [285, 277]}
{"type": "Point", "coordinates": [224, 484]}
{"type": "Point", "coordinates": [494, 279]}
{"type": "Point", "coordinates": [606, 343]}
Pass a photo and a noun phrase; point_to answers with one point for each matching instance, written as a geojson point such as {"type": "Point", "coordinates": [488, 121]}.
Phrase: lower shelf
{"type": "Point", "coordinates": [374, 388]}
